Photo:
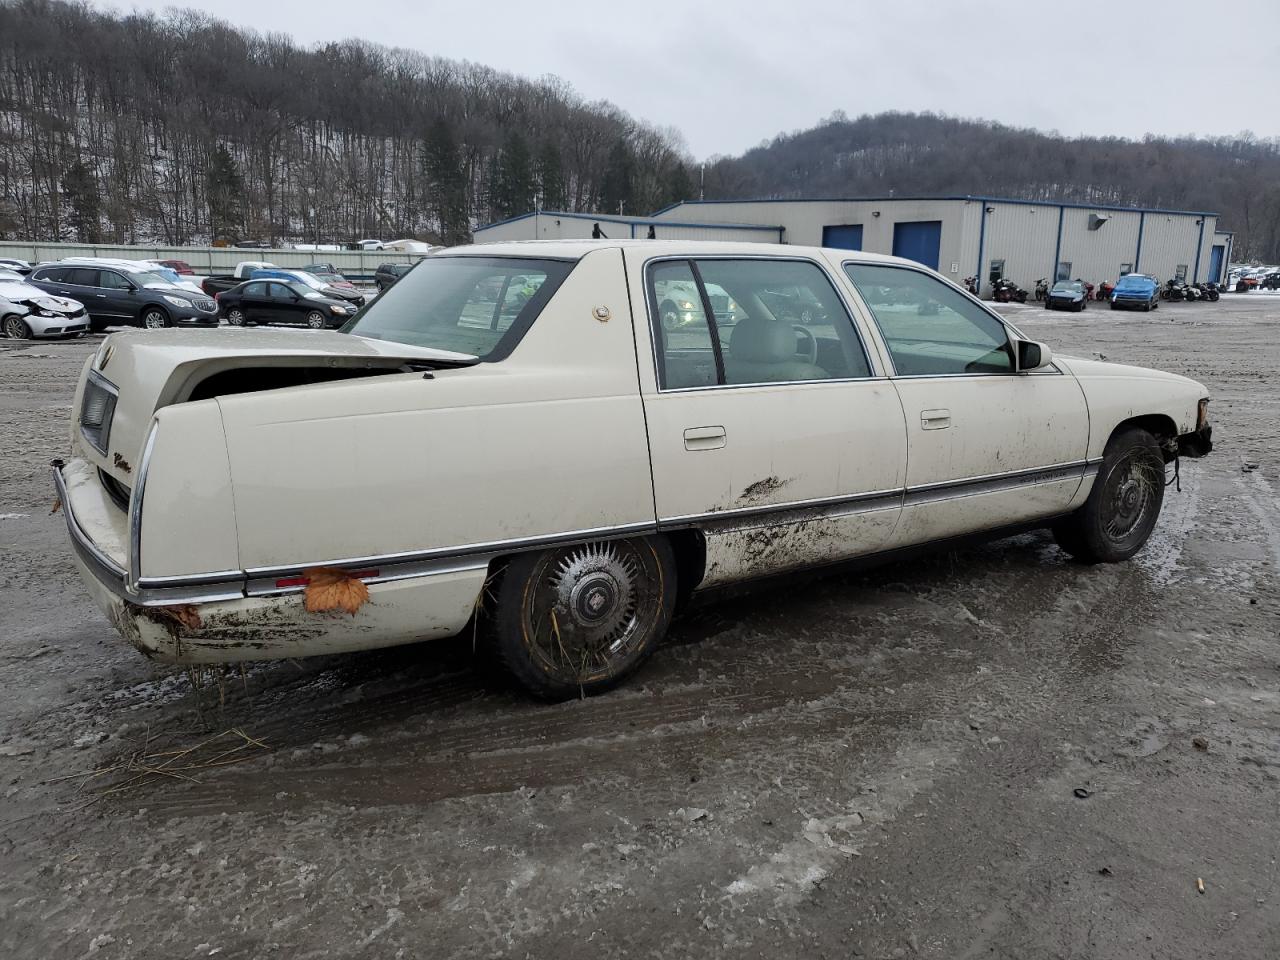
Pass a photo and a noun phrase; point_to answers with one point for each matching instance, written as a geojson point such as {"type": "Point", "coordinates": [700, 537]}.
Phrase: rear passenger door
{"type": "Point", "coordinates": [282, 305]}
{"type": "Point", "coordinates": [253, 301]}
{"type": "Point", "coordinates": [781, 441]}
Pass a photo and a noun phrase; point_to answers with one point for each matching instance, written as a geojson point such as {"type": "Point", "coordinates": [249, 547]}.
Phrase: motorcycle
{"type": "Point", "coordinates": [1173, 290]}
{"type": "Point", "coordinates": [1042, 288]}
{"type": "Point", "coordinates": [971, 284]}
{"type": "Point", "coordinates": [1208, 291]}
{"type": "Point", "coordinates": [1192, 292]}
{"type": "Point", "coordinates": [1006, 291]}
{"type": "Point", "coordinates": [1105, 289]}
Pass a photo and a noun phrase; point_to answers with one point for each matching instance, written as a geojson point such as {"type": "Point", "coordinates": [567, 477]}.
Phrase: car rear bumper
{"type": "Point", "coordinates": [221, 619]}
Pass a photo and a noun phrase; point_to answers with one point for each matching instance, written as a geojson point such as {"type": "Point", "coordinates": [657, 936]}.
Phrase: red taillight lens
{"type": "Point", "coordinates": [217, 298]}
{"type": "Point", "coordinates": [302, 581]}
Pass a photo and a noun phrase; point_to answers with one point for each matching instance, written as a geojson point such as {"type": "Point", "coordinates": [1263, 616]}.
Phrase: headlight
{"type": "Point", "coordinates": [96, 411]}
{"type": "Point", "coordinates": [179, 302]}
{"type": "Point", "coordinates": [686, 305]}
{"type": "Point", "coordinates": [339, 310]}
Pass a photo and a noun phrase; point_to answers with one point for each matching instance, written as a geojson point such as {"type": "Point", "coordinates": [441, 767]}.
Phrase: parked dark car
{"type": "Point", "coordinates": [1068, 295]}
{"type": "Point", "coordinates": [252, 245]}
{"type": "Point", "coordinates": [16, 266]}
{"type": "Point", "coordinates": [388, 273]}
{"type": "Point", "coordinates": [118, 295]}
{"type": "Point", "coordinates": [348, 294]}
{"type": "Point", "coordinates": [1136, 291]}
{"type": "Point", "coordinates": [282, 301]}
{"type": "Point", "coordinates": [329, 275]}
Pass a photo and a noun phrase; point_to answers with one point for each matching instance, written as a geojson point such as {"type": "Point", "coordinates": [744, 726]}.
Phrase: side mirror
{"type": "Point", "coordinates": [1033, 355]}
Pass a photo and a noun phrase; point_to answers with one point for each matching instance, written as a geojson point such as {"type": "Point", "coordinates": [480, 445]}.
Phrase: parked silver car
{"type": "Point", "coordinates": [27, 311]}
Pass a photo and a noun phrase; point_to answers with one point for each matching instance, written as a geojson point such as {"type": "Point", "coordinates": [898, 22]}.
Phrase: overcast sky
{"type": "Point", "coordinates": [729, 74]}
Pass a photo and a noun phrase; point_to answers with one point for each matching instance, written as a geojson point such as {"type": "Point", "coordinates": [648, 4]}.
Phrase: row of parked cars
{"type": "Point", "coordinates": [71, 297]}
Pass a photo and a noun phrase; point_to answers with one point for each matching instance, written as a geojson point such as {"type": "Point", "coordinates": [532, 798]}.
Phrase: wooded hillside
{"type": "Point", "coordinates": [182, 128]}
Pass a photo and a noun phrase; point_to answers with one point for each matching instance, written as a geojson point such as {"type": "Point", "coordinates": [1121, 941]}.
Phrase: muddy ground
{"type": "Point", "coordinates": [992, 753]}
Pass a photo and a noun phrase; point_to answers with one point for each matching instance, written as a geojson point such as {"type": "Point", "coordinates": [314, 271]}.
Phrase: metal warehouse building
{"type": "Point", "coordinates": [986, 237]}
{"type": "Point", "coordinates": [554, 225]}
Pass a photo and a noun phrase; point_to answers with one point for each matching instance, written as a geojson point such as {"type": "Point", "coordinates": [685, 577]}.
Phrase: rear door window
{"type": "Point", "coordinates": [112, 280]}
{"type": "Point", "coordinates": [85, 277]}
{"type": "Point", "coordinates": [750, 321]}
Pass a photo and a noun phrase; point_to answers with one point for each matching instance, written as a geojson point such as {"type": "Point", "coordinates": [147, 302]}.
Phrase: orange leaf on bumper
{"type": "Point", "coordinates": [331, 589]}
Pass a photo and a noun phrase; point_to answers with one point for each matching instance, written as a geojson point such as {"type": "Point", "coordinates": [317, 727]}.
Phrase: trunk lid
{"type": "Point", "coordinates": [156, 368]}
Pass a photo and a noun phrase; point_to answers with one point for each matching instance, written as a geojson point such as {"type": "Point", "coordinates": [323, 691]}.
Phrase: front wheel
{"type": "Point", "coordinates": [574, 621]}
{"type": "Point", "coordinates": [315, 320]}
{"type": "Point", "coordinates": [15, 328]}
{"type": "Point", "coordinates": [153, 318]}
{"type": "Point", "coordinates": [1123, 505]}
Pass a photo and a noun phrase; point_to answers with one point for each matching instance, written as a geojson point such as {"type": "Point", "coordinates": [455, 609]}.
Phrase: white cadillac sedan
{"type": "Point", "coordinates": [512, 437]}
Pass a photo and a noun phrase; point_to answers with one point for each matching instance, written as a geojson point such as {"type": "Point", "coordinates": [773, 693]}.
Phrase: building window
{"type": "Point", "coordinates": [1126, 269]}
{"type": "Point", "coordinates": [997, 271]}
{"type": "Point", "coordinates": [1064, 270]}
{"type": "Point", "coordinates": [1182, 271]}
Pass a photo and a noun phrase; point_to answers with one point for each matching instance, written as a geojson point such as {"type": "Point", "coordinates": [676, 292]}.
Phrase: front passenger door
{"type": "Point", "coordinates": [986, 446]}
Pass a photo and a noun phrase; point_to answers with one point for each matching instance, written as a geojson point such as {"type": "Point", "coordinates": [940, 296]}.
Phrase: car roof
{"type": "Point", "coordinates": [576, 249]}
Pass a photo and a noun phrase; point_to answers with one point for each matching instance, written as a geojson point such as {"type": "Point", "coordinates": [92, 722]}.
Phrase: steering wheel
{"type": "Point", "coordinates": [813, 342]}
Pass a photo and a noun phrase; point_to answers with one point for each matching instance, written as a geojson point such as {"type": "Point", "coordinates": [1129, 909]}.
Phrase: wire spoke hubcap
{"type": "Point", "coordinates": [1132, 496]}
{"type": "Point", "coordinates": [590, 607]}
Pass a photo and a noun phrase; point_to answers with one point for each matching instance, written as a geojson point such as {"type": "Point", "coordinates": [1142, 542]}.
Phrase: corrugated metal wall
{"type": "Point", "coordinates": [560, 226]}
{"type": "Point", "coordinates": [1096, 255]}
{"type": "Point", "coordinates": [804, 220]}
{"type": "Point", "coordinates": [1024, 235]}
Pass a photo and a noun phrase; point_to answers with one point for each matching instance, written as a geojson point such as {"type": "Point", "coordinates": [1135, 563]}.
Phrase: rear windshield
{"type": "Point", "coordinates": [480, 306]}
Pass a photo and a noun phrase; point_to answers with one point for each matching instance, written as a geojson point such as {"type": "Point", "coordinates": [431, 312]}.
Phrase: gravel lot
{"type": "Point", "coordinates": [994, 753]}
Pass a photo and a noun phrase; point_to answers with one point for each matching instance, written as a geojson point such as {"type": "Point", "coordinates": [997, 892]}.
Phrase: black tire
{"type": "Point", "coordinates": [1046, 305]}
{"type": "Point", "coordinates": [154, 318]}
{"type": "Point", "coordinates": [236, 317]}
{"type": "Point", "coordinates": [543, 625]}
{"type": "Point", "coordinates": [669, 315]}
{"type": "Point", "coordinates": [1123, 505]}
{"type": "Point", "coordinates": [317, 320]}
{"type": "Point", "coordinates": [1155, 305]}
{"type": "Point", "coordinates": [15, 328]}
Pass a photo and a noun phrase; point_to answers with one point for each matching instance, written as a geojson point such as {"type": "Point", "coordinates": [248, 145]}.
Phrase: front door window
{"type": "Point", "coordinates": [931, 328]}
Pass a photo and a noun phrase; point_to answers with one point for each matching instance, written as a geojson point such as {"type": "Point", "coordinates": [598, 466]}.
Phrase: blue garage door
{"type": "Point", "coordinates": [844, 236]}
{"type": "Point", "coordinates": [1215, 263]}
{"type": "Point", "coordinates": [918, 241]}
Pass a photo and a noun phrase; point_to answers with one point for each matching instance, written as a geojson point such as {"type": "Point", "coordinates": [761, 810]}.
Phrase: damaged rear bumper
{"type": "Point", "coordinates": [217, 619]}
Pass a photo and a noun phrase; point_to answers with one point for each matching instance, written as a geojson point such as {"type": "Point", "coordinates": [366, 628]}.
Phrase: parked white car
{"type": "Point", "coordinates": [564, 468]}
{"type": "Point", "coordinates": [27, 312]}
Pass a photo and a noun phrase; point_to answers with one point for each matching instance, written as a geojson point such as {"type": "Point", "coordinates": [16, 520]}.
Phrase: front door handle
{"type": "Point", "coordinates": [935, 419]}
{"type": "Point", "coordinates": [704, 438]}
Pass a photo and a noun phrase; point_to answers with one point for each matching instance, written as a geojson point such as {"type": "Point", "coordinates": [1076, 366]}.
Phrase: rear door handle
{"type": "Point", "coordinates": [704, 438]}
{"type": "Point", "coordinates": [935, 419]}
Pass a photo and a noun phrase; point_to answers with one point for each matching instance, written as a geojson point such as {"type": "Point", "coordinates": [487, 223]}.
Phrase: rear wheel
{"type": "Point", "coordinates": [153, 318]}
{"type": "Point", "coordinates": [15, 328]}
{"type": "Point", "coordinates": [315, 320]}
{"type": "Point", "coordinates": [576, 620]}
{"type": "Point", "coordinates": [1123, 505]}
{"type": "Point", "coordinates": [235, 317]}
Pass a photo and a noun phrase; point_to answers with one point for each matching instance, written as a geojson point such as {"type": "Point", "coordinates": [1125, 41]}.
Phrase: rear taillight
{"type": "Point", "coordinates": [96, 411]}
{"type": "Point", "coordinates": [217, 298]}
